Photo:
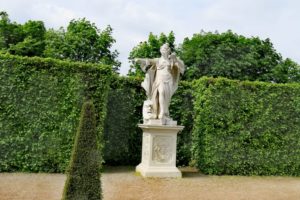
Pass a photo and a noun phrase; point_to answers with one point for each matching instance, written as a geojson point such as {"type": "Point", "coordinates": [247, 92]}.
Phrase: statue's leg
{"type": "Point", "coordinates": [157, 110]}
{"type": "Point", "coordinates": [164, 99]}
{"type": "Point", "coordinates": [161, 101]}
{"type": "Point", "coordinates": [155, 103]}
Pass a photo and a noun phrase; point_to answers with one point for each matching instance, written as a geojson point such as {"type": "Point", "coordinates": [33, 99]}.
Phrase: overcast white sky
{"type": "Point", "coordinates": [132, 20]}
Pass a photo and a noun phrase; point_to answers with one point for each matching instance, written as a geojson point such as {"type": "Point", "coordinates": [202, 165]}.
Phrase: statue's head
{"type": "Point", "coordinates": [165, 49]}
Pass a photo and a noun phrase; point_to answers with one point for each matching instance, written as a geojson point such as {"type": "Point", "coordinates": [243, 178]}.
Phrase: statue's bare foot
{"type": "Point", "coordinates": [160, 116]}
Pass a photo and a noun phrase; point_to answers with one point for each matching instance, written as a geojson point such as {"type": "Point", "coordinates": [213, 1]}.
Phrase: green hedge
{"type": "Point", "coordinates": [182, 110]}
{"type": "Point", "coordinates": [246, 128]}
{"type": "Point", "coordinates": [232, 127]}
{"type": "Point", "coordinates": [122, 136]}
{"type": "Point", "coordinates": [40, 104]}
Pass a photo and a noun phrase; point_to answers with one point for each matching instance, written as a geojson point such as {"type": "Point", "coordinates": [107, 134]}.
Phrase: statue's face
{"type": "Point", "coordinates": [165, 50]}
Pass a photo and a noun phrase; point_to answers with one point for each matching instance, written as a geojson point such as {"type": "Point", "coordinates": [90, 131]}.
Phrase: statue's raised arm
{"type": "Point", "coordinates": [145, 63]}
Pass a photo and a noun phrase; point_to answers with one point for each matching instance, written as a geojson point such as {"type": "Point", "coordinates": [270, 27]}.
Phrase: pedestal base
{"type": "Point", "coordinates": [159, 151]}
{"type": "Point", "coordinates": [162, 172]}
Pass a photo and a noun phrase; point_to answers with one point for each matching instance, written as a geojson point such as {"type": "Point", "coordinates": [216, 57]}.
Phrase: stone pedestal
{"type": "Point", "coordinates": [159, 151]}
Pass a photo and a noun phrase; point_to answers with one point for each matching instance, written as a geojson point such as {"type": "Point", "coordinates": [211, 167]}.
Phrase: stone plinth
{"type": "Point", "coordinates": [159, 151]}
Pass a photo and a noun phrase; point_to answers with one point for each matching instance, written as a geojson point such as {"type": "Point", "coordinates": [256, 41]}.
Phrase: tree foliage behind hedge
{"type": "Point", "coordinates": [40, 103]}
{"type": "Point", "coordinates": [228, 55]}
{"type": "Point", "coordinates": [81, 41]}
{"type": "Point", "coordinates": [246, 128]}
{"type": "Point", "coordinates": [224, 54]}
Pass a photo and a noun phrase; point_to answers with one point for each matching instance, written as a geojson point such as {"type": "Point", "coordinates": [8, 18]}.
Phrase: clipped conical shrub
{"type": "Point", "coordinates": [83, 176]}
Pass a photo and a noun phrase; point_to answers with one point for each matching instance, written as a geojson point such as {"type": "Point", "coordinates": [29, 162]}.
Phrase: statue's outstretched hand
{"type": "Point", "coordinates": [137, 60]}
{"type": "Point", "coordinates": [144, 63]}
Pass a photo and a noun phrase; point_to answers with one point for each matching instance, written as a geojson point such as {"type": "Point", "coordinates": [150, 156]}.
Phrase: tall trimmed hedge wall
{"type": "Point", "coordinates": [40, 101]}
{"type": "Point", "coordinates": [246, 128]}
{"type": "Point", "coordinates": [231, 127]}
{"type": "Point", "coordinates": [122, 137]}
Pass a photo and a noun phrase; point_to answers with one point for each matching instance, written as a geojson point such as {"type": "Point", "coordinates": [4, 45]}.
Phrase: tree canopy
{"type": "Point", "coordinates": [149, 49]}
{"type": "Point", "coordinates": [10, 33]}
{"type": "Point", "coordinates": [285, 72]}
{"type": "Point", "coordinates": [24, 40]}
{"type": "Point", "coordinates": [205, 54]}
{"type": "Point", "coordinates": [81, 41]}
{"type": "Point", "coordinates": [228, 55]}
{"type": "Point", "coordinates": [224, 55]}
{"type": "Point", "coordinates": [33, 40]}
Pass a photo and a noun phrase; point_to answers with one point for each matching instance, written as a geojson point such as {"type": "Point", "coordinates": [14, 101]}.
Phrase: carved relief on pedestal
{"type": "Point", "coordinates": [162, 149]}
{"type": "Point", "coordinates": [146, 144]}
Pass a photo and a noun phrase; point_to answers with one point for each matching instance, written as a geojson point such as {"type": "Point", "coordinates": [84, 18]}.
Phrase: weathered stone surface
{"type": "Point", "coordinates": [159, 151]}
{"type": "Point", "coordinates": [160, 83]}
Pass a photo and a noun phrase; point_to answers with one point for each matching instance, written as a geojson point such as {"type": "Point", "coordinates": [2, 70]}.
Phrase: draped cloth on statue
{"type": "Point", "coordinates": [162, 77]}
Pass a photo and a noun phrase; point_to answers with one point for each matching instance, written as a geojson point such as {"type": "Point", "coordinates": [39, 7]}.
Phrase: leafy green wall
{"type": "Point", "coordinates": [40, 104]}
{"type": "Point", "coordinates": [122, 137]}
{"type": "Point", "coordinates": [246, 128]}
{"type": "Point", "coordinates": [231, 127]}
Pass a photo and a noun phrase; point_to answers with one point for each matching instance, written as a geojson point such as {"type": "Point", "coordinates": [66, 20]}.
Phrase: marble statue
{"type": "Point", "coordinates": [160, 83]}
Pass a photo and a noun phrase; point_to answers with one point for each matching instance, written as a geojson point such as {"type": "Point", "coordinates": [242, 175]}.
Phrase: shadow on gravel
{"type": "Point", "coordinates": [193, 175]}
{"type": "Point", "coordinates": [187, 172]}
{"type": "Point", "coordinates": [118, 169]}
{"type": "Point", "coordinates": [190, 172]}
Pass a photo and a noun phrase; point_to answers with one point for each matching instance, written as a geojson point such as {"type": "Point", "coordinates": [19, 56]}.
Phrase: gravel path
{"type": "Point", "coordinates": [121, 183]}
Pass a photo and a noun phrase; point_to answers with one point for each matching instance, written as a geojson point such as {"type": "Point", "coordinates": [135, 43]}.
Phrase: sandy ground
{"type": "Point", "coordinates": [121, 183]}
